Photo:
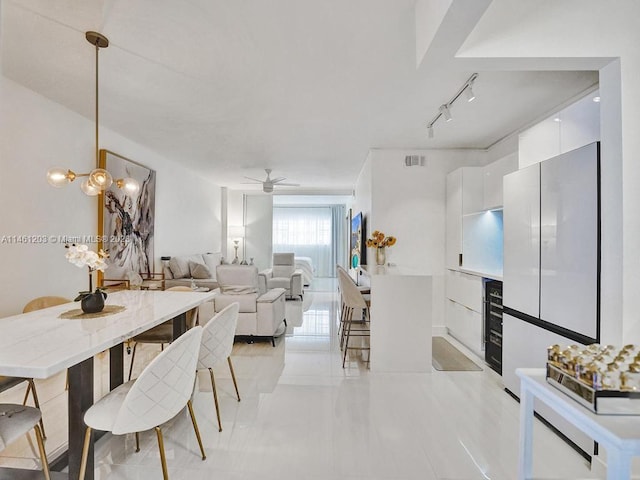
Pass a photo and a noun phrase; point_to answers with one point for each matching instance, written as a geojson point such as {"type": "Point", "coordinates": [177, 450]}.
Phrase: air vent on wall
{"type": "Point", "coordinates": [414, 161]}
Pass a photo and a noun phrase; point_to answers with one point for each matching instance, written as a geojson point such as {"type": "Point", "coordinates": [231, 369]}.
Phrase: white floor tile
{"type": "Point", "coordinates": [302, 416]}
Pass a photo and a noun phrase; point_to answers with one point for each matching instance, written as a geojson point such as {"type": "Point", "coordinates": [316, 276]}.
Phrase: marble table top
{"type": "Point", "coordinates": [39, 344]}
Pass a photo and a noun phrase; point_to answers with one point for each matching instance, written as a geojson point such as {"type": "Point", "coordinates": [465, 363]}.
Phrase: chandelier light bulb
{"type": "Point", "coordinates": [89, 189]}
{"type": "Point", "coordinates": [59, 177]}
{"type": "Point", "coordinates": [101, 179]}
{"type": "Point", "coordinates": [128, 184]}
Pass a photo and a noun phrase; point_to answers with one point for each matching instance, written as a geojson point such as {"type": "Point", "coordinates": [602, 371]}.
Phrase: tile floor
{"type": "Point", "coordinates": [304, 417]}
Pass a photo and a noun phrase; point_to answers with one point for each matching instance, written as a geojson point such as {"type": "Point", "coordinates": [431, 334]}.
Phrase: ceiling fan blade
{"type": "Point", "coordinates": [278, 180]}
{"type": "Point", "coordinates": [254, 179]}
{"type": "Point", "coordinates": [288, 184]}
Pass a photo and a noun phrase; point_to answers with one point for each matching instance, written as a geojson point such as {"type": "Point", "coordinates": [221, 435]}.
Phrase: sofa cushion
{"type": "Point", "coordinates": [279, 282]}
{"type": "Point", "coordinates": [233, 276]}
{"type": "Point", "coordinates": [283, 270]}
{"type": "Point", "coordinates": [199, 270]}
{"type": "Point", "coordinates": [180, 265]}
{"type": "Point", "coordinates": [272, 295]}
{"type": "Point", "coordinates": [212, 260]}
{"type": "Point", "coordinates": [247, 302]}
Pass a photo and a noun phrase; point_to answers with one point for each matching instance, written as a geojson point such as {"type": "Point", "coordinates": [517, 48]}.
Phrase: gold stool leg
{"type": "Point", "coordinates": [215, 399]}
{"type": "Point", "coordinates": [233, 375]}
{"type": "Point", "coordinates": [85, 453]}
{"type": "Point", "coordinates": [163, 459]}
{"type": "Point", "coordinates": [348, 334]}
{"type": "Point", "coordinates": [43, 454]}
{"type": "Point", "coordinates": [36, 402]}
{"type": "Point", "coordinates": [195, 427]}
{"type": "Point", "coordinates": [137, 442]}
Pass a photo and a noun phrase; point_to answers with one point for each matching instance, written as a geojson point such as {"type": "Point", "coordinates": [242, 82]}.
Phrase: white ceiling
{"type": "Point", "coordinates": [300, 86]}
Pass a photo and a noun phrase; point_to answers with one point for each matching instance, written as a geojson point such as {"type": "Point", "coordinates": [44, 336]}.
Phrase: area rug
{"type": "Point", "coordinates": [446, 357]}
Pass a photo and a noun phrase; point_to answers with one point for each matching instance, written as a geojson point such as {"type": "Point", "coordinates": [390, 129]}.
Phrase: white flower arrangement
{"type": "Point", "coordinates": [81, 256]}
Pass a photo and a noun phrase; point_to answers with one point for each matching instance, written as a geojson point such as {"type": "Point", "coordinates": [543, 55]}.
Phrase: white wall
{"type": "Point", "coordinates": [409, 203]}
{"type": "Point", "coordinates": [37, 134]}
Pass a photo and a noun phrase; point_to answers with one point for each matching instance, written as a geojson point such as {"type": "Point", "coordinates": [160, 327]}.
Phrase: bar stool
{"type": "Point", "coordinates": [352, 299]}
{"type": "Point", "coordinates": [365, 294]}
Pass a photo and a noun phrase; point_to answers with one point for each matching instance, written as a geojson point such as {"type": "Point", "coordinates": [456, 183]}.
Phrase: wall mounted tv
{"type": "Point", "coordinates": [357, 241]}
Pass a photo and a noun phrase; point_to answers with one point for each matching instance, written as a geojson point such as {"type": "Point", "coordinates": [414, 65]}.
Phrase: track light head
{"type": "Point", "coordinates": [430, 130]}
{"type": "Point", "coordinates": [469, 93]}
{"type": "Point", "coordinates": [446, 113]}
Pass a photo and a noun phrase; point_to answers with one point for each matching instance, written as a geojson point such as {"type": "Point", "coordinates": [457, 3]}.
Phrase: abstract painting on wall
{"type": "Point", "coordinates": [126, 218]}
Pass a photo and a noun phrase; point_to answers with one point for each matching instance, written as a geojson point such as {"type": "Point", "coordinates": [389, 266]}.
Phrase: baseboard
{"type": "Point", "coordinates": [438, 330]}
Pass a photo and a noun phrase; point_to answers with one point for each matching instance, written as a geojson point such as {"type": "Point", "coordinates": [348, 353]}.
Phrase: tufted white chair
{"type": "Point", "coordinates": [217, 344]}
{"type": "Point", "coordinates": [160, 392]}
{"type": "Point", "coordinates": [17, 420]}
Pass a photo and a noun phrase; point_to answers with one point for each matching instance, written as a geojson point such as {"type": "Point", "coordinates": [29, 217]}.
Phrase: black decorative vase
{"type": "Point", "coordinates": [93, 302]}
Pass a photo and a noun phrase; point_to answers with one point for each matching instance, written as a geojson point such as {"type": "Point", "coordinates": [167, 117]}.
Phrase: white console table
{"type": "Point", "coordinates": [400, 319]}
{"type": "Point", "coordinates": [619, 435]}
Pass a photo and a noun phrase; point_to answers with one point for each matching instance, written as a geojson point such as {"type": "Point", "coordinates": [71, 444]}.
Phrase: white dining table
{"type": "Point", "coordinates": [40, 344]}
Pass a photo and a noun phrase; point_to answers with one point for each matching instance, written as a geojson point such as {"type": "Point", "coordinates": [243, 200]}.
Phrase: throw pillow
{"type": "Point", "coordinates": [199, 271]}
{"type": "Point", "coordinates": [179, 267]}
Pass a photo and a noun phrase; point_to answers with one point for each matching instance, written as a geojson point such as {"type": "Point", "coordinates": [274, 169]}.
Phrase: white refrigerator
{"type": "Point", "coordinates": [551, 287]}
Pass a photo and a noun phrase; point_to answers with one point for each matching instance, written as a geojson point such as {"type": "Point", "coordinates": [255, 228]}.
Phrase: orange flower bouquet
{"type": "Point", "coordinates": [379, 239]}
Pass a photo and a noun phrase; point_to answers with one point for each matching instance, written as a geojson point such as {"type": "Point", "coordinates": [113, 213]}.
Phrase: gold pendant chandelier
{"type": "Point", "coordinates": [98, 179]}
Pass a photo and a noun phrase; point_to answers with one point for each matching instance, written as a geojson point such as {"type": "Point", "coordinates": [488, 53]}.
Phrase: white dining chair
{"type": "Point", "coordinates": [160, 392]}
{"type": "Point", "coordinates": [15, 421]}
{"type": "Point", "coordinates": [216, 347]}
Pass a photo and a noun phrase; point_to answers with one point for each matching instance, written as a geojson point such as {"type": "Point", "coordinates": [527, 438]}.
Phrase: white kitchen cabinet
{"type": "Point", "coordinates": [465, 289]}
{"type": "Point", "coordinates": [521, 214]}
{"type": "Point", "coordinates": [492, 179]}
{"type": "Point", "coordinates": [464, 195]}
{"type": "Point", "coordinates": [572, 127]}
{"type": "Point", "coordinates": [464, 318]}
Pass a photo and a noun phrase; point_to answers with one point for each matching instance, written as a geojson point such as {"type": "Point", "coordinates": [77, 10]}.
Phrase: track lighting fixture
{"type": "Point", "coordinates": [98, 179]}
{"type": "Point", "coordinates": [445, 108]}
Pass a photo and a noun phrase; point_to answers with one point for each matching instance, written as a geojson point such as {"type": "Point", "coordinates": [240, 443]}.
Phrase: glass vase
{"type": "Point", "coordinates": [381, 256]}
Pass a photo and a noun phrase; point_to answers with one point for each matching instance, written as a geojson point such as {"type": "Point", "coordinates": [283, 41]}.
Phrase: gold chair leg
{"type": "Point", "coordinates": [163, 459]}
{"type": "Point", "coordinates": [36, 402]}
{"type": "Point", "coordinates": [195, 428]}
{"type": "Point", "coordinates": [215, 399]}
{"type": "Point", "coordinates": [43, 453]}
{"type": "Point", "coordinates": [26, 394]}
{"type": "Point", "coordinates": [133, 357]}
{"type": "Point", "coordinates": [233, 375]}
{"type": "Point", "coordinates": [85, 453]}
{"type": "Point", "coordinates": [137, 442]}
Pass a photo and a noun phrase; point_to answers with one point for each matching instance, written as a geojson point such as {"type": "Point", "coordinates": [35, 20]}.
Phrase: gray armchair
{"type": "Point", "coordinates": [283, 274]}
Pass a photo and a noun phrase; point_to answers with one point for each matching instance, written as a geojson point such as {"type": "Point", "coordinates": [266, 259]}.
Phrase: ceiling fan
{"type": "Point", "coordinates": [268, 183]}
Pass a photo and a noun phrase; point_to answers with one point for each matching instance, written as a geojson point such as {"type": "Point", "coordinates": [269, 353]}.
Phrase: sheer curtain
{"type": "Point", "coordinates": [313, 231]}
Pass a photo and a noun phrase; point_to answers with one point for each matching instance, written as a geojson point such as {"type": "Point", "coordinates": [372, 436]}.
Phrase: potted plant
{"type": "Point", "coordinates": [80, 255]}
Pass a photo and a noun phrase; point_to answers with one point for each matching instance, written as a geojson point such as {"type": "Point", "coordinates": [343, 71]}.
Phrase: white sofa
{"type": "Point", "coordinates": [261, 312]}
{"type": "Point", "coordinates": [179, 270]}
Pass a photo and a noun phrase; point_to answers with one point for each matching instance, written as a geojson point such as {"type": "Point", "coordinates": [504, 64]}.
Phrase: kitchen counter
{"type": "Point", "coordinates": [401, 305]}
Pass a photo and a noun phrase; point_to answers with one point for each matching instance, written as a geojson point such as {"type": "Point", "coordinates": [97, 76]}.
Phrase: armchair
{"type": "Point", "coordinates": [283, 274]}
{"type": "Point", "coordinates": [261, 310]}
